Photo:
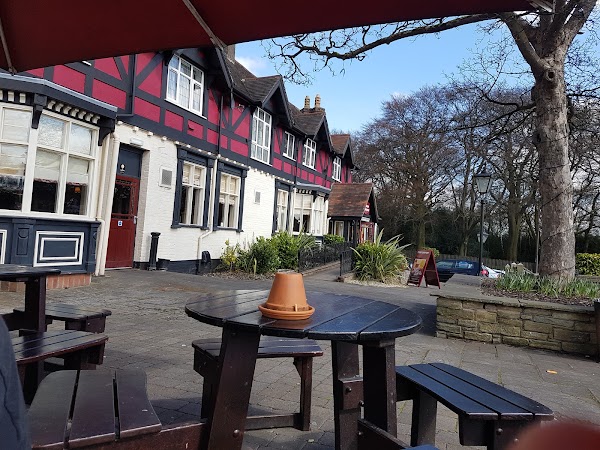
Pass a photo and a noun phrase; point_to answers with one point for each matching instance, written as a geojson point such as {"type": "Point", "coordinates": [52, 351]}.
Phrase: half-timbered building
{"type": "Point", "coordinates": [188, 147]}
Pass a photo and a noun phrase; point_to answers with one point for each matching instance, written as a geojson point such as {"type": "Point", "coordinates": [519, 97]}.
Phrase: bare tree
{"type": "Point", "coordinates": [543, 40]}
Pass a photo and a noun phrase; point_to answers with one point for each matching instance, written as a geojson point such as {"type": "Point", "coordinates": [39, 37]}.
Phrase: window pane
{"type": "Point", "coordinates": [76, 191]}
{"type": "Point", "coordinates": [197, 203]}
{"type": "Point", "coordinates": [183, 207]}
{"type": "Point", "coordinates": [172, 85]}
{"type": "Point", "coordinates": [16, 125]}
{"type": "Point", "coordinates": [174, 63]}
{"type": "Point", "coordinates": [45, 183]}
{"type": "Point", "coordinates": [198, 177]}
{"type": "Point", "coordinates": [186, 68]}
{"type": "Point", "coordinates": [184, 91]}
{"type": "Point", "coordinates": [80, 140]}
{"type": "Point", "coordinates": [197, 95]}
{"type": "Point", "coordinates": [185, 178]}
{"type": "Point", "coordinates": [12, 175]}
{"type": "Point", "coordinates": [51, 132]}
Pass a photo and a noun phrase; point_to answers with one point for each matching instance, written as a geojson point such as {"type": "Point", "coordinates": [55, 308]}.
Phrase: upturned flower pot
{"type": "Point", "coordinates": [287, 298]}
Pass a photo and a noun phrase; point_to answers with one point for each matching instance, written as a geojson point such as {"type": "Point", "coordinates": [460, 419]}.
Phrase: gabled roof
{"type": "Point", "coordinates": [341, 147]}
{"type": "Point", "coordinates": [259, 90]}
{"type": "Point", "coordinates": [350, 199]}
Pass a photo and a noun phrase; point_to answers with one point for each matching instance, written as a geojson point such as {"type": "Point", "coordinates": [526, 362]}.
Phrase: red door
{"type": "Point", "coordinates": [121, 236]}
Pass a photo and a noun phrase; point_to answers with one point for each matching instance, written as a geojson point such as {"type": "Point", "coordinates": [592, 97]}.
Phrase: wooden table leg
{"type": "Point", "coordinates": [34, 318]}
{"type": "Point", "coordinates": [35, 304]}
{"type": "Point", "coordinates": [231, 390]}
{"type": "Point", "coordinates": [347, 394]}
{"type": "Point", "coordinates": [380, 385]}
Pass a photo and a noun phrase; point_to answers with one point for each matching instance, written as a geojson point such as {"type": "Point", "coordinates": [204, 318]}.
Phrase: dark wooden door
{"type": "Point", "coordinates": [123, 220]}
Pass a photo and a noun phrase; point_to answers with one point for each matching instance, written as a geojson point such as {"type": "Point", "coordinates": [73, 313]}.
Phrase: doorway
{"type": "Point", "coordinates": [121, 238]}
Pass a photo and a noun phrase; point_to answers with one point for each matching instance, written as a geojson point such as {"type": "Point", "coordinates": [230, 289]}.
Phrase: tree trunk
{"type": "Point", "coordinates": [514, 230]}
{"type": "Point", "coordinates": [557, 257]}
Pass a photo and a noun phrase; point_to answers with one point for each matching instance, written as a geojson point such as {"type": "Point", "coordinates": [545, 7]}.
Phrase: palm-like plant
{"type": "Point", "coordinates": [379, 261]}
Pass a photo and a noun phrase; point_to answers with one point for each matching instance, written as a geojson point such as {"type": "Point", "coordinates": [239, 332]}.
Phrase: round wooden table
{"type": "Point", "coordinates": [347, 321]}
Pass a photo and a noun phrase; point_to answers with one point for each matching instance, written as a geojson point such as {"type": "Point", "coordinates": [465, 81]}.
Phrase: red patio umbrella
{"type": "Point", "coordinates": [40, 33]}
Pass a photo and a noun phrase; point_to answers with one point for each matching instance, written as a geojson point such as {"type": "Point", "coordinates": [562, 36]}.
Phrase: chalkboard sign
{"type": "Point", "coordinates": [424, 266]}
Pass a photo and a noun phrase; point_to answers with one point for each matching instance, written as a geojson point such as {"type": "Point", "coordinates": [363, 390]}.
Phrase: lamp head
{"type": "Point", "coordinates": [483, 180]}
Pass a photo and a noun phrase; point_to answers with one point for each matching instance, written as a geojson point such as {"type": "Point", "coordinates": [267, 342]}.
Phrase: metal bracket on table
{"type": "Point", "coordinates": [352, 392]}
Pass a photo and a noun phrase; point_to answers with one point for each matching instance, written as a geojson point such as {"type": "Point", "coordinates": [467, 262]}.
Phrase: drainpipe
{"type": "Point", "coordinates": [109, 200]}
{"type": "Point", "coordinates": [100, 200]}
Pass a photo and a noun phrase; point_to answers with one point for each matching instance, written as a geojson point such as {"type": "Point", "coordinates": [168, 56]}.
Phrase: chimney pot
{"type": "Point", "coordinates": [317, 101]}
{"type": "Point", "coordinates": [307, 102]}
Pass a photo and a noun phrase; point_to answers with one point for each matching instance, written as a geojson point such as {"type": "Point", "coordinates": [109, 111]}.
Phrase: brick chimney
{"type": "Point", "coordinates": [318, 103]}
{"type": "Point", "coordinates": [306, 103]}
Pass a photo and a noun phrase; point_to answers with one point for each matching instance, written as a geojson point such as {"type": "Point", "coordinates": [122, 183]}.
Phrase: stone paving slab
{"type": "Point", "coordinates": [148, 329]}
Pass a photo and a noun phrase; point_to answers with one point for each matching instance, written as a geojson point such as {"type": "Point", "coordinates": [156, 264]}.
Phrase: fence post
{"type": "Point", "coordinates": [153, 250]}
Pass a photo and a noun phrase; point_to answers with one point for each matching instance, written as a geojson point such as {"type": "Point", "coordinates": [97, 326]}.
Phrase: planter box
{"type": "Point", "coordinates": [505, 320]}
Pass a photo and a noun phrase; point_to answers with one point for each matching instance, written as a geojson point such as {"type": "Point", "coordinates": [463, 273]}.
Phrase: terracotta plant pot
{"type": "Point", "coordinates": [287, 298]}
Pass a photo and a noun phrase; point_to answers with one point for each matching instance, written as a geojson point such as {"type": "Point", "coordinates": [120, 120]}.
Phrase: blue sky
{"type": "Point", "coordinates": [353, 98]}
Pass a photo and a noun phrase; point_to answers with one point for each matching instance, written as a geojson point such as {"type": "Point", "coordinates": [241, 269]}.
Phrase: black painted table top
{"type": "Point", "coordinates": [336, 317]}
{"type": "Point", "coordinates": [12, 272]}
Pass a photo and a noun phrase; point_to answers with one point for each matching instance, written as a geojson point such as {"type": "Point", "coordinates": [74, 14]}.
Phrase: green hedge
{"type": "Point", "coordinates": [587, 263]}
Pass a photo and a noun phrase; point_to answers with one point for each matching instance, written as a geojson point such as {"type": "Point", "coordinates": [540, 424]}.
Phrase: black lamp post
{"type": "Point", "coordinates": [482, 181]}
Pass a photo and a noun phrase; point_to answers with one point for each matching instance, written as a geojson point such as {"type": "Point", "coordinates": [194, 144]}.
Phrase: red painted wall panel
{"type": "Point", "coordinates": [239, 147]}
{"type": "Point", "coordinates": [212, 136]}
{"type": "Point", "coordinates": [287, 167]}
{"type": "Point", "coordinates": [277, 163]}
{"type": "Point", "coordinates": [147, 109]}
{"type": "Point", "coordinates": [153, 82]}
{"type": "Point", "coordinates": [37, 72]}
{"type": "Point", "coordinates": [108, 65]}
{"type": "Point", "coordinates": [173, 120]}
{"type": "Point", "coordinates": [109, 94]}
{"type": "Point", "coordinates": [195, 129]}
{"type": "Point", "coordinates": [311, 178]}
{"type": "Point", "coordinates": [69, 78]}
{"type": "Point", "coordinates": [142, 61]}
{"type": "Point", "coordinates": [213, 109]}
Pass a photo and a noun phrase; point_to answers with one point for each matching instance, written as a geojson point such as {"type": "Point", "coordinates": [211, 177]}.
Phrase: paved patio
{"type": "Point", "coordinates": [149, 329]}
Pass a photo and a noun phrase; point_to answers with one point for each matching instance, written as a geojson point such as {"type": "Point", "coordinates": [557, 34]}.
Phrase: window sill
{"type": "Point", "coordinates": [199, 114]}
{"type": "Point", "coordinates": [237, 230]}
{"type": "Point", "coordinates": [261, 161]}
{"type": "Point", "coordinates": [288, 157]}
{"type": "Point", "coordinates": [186, 225]}
{"type": "Point", "coordinates": [308, 167]}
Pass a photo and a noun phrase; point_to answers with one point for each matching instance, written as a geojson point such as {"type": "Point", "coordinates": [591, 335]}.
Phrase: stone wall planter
{"type": "Point", "coordinates": [526, 323]}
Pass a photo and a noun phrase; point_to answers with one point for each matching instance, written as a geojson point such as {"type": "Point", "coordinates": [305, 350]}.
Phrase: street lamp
{"type": "Point", "coordinates": [482, 181]}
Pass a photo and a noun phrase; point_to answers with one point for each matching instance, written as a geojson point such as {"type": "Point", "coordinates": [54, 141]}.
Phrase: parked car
{"type": "Point", "coordinates": [448, 267]}
{"type": "Point", "coordinates": [491, 273]}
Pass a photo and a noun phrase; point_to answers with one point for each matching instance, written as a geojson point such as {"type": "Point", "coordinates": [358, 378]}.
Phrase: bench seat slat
{"type": "Point", "coordinates": [136, 414]}
{"type": "Point", "coordinates": [42, 348]}
{"type": "Point", "coordinates": [503, 408]}
{"type": "Point", "coordinates": [93, 414]}
{"type": "Point", "coordinates": [19, 341]}
{"type": "Point", "coordinates": [520, 400]}
{"type": "Point", "coordinates": [49, 412]}
{"type": "Point", "coordinates": [449, 397]}
{"type": "Point", "coordinates": [268, 348]}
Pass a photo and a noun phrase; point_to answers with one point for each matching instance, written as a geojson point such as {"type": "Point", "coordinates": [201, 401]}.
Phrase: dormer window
{"type": "Point", "coordinates": [310, 153]}
{"type": "Point", "coordinates": [337, 169]}
{"type": "Point", "coordinates": [261, 136]}
{"type": "Point", "coordinates": [289, 142]}
{"type": "Point", "coordinates": [185, 85]}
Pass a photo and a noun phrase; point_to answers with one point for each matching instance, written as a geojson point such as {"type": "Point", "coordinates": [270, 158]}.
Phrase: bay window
{"type": "Point", "coordinates": [191, 211]}
{"type": "Point", "coordinates": [50, 174]}
{"type": "Point", "coordinates": [309, 214]}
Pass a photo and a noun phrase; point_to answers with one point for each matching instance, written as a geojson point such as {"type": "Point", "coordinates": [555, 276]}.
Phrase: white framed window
{"type": "Point", "coordinates": [185, 84]}
{"type": "Point", "coordinates": [309, 156]}
{"type": "Point", "coordinates": [289, 141]}
{"type": "Point", "coordinates": [337, 169]}
{"type": "Point", "coordinates": [318, 217]}
{"type": "Point", "coordinates": [282, 209]}
{"type": "Point", "coordinates": [261, 136]}
{"type": "Point", "coordinates": [308, 214]}
{"type": "Point", "coordinates": [193, 182]}
{"type": "Point", "coordinates": [50, 174]}
{"type": "Point", "coordinates": [229, 201]}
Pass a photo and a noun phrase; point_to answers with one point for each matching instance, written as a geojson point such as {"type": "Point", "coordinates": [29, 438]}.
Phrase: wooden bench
{"type": "Point", "coordinates": [489, 414]}
{"type": "Point", "coordinates": [75, 317]}
{"type": "Point", "coordinates": [78, 349]}
{"type": "Point", "coordinates": [206, 355]}
{"type": "Point", "coordinates": [102, 409]}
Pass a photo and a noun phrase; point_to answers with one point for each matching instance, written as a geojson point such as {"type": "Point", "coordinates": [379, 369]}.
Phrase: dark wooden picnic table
{"type": "Point", "coordinates": [34, 278]}
{"type": "Point", "coordinates": [347, 321]}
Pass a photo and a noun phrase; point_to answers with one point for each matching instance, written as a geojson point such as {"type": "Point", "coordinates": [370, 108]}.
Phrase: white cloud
{"type": "Point", "coordinates": [256, 65]}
